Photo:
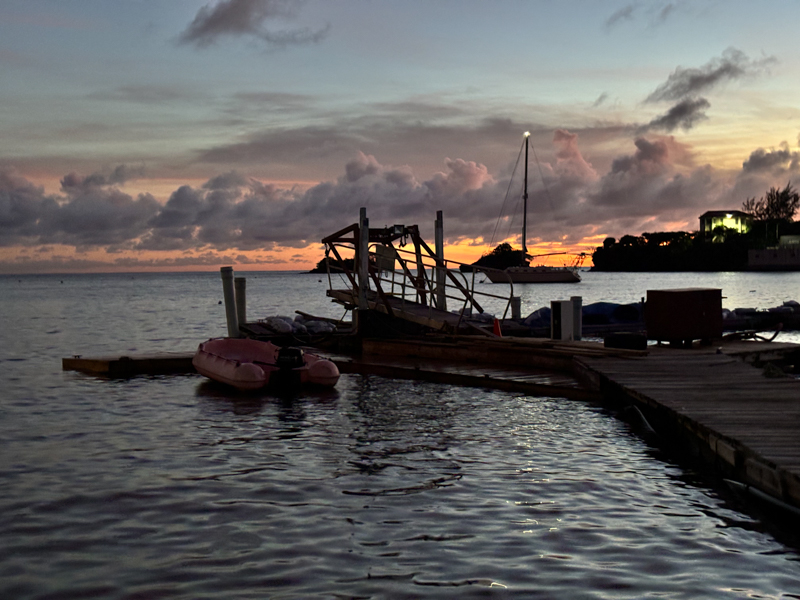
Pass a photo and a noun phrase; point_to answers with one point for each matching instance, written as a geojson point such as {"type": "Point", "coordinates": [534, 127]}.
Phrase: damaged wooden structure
{"type": "Point", "coordinates": [416, 287]}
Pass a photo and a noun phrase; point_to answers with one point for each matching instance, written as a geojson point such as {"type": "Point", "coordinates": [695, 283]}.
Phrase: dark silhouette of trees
{"type": "Point", "coordinates": [672, 251]}
{"type": "Point", "coordinates": [335, 265]}
{"type": "Point", "coordinates": [501, 257]}
{"type": "Point", "coordinates": [725, 250]}
{"type": "Point", "coordinates": [776, 205]}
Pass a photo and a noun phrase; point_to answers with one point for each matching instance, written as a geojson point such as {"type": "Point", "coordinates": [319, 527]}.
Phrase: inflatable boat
{"type": "Point", "coordinates": [250, 364]}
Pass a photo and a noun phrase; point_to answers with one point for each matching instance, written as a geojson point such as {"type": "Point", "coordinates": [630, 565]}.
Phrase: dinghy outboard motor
{"type": "Point", "coordinates": [287, 361]}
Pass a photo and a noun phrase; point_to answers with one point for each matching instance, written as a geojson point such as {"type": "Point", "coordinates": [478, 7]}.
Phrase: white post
{"type": "Point", "coordinates": [230, 301]}
{"type": "Point", "coordinates": [441, 278]}
{"type": "Point", "coordinates": [240, 287]}
{"type": "Point", "coordinates": [577, 317]}
{"type": "Point", "coordinates": [561, 326]}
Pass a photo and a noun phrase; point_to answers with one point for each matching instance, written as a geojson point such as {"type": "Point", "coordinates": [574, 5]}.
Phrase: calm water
{"type": "Point", "coordinates": [171, 487]}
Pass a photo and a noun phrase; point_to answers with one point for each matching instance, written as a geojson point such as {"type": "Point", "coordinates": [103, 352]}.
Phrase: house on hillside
{"type": "Point", "coordinates": [739, 221]}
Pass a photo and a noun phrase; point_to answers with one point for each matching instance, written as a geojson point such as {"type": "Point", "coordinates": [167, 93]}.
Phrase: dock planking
{"type": "Point", "coordinates": [128, 366]}
{"type": "Point", "coordinates": [746, 422]}
{"type": "Point", "coordinates": [514, 379]}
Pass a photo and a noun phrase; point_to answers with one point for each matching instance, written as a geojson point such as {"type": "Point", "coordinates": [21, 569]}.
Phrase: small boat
{"type": "Point", "coordinates": [541, 273]}
{"type": "Point", "coordinates": [538, 274]}
{"type": "Point", "coordinates": [251, 364]}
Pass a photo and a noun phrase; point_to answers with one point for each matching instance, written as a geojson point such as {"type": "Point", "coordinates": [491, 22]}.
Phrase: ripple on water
{"type": "Point", "coordinates": [161, 487]}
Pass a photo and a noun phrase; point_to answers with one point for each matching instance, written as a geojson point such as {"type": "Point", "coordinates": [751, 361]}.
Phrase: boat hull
{"type": "Point", "coordinates": [251, 365]}
{"type": "Point", "coordinates": [534, 275]}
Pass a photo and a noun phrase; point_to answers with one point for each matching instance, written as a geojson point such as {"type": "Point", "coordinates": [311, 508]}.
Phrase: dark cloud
{"type": "Point", "coordinates": [119, 175]}
{"type": "Point", "coordinates": [646, 187]}
{"type": "Point", "coordinates": [97, 217]}
{"type": "Point", "coordinates": [772, 161]}
{"type": "Point", "coordinates": [656, 14]}
{"type": "Point", "coordinates": [21, 205]}
{"type": "Point", "coordinates": [248, 18]}
{"type": "Point", "coordinates": [665, 12]}
{"type": "Point", "coordinates": [226, 181]}
{"type": "Point", "coordinates": [601, 99]}
{"type": "Point", "coordinates": [93, 212]}
{"type": "Point", "coordinates": [684, 115]}
{"type": "Point", "coordinates": [732, 65]}
{"type": "Point", "coordinates": [625, 13]}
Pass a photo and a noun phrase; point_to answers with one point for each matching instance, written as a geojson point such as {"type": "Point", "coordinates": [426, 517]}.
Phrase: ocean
{"type": "Point", "coordinates": [172, 487]}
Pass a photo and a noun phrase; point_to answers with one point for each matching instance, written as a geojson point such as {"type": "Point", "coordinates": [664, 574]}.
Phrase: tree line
{"type": "Point", "coordinates": [725, 249]}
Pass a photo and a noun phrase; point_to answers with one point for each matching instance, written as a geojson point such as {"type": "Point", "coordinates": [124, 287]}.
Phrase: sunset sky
{"type": "Point", "coordinates": [191, 134]}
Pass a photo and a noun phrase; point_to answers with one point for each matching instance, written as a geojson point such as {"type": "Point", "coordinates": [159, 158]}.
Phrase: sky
{"type": "Point", "coordinates": [146, 135]}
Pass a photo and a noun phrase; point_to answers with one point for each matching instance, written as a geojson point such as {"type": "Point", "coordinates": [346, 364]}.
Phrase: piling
{"type": "Point", "coordinates": [363, 259]}
{"type": "Point", "coordinates": [441, 293]}
{"type": "Point", "coordinates": [229, 294]}
{"type": "Point", "coordinates": [516, 307]}
{"type": "Point", "coordinates": [240, 288]}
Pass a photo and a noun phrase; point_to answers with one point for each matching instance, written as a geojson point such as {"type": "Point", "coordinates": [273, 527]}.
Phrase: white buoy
{"type": "Point", "coordinates": [229, 295]}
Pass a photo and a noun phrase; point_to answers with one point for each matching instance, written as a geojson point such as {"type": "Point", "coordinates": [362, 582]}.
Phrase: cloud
{"type": "Point", "coordinates": [119, 175]}
{"type": "Point", "coordinates": [625, 13]}
{"type": "Point", "coordinates": [601, 99]}
{"type": "Point", "coordinates": [684, 115]}
{"type": "Point", "coordinates": [665, 12]}
{"type": "Point", "coordinates": [657, 14]}
{"type": "Point", "coordinates": [248, 18]}
{"type": "Point", "coordinates": [732, 65]}
{"type": "Point", "coordinates": [21, 204]}
{"type": "Point", "coordinates": [652, 187]}
{"type": "Point", "coordinates": [775, 162]}
{"type": "Point", "coordinates": [93, 213]}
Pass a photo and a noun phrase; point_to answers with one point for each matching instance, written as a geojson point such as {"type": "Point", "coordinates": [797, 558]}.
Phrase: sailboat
{"type": "Point", "coordinates": [541, 273]}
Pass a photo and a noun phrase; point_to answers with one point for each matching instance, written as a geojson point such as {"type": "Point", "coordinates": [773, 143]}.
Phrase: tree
{"type": "Point", "coordinates": [777, 205]}
{"type": "Point", "coordinates": [631, 240]}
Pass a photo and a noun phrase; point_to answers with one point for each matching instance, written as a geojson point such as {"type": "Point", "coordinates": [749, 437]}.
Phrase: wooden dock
{"type": "Point", "coordinates": [716, 406]}
{"type": "Point", "coordinates": [526, 380]}
{"type": "Point", "coordinates": [128, 366]}
{"type": "Point", "coordinates": [523, 379]}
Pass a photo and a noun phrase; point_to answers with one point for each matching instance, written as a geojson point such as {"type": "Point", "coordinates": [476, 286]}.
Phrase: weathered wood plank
{"type": "Point", "coordinates": [717, 396]}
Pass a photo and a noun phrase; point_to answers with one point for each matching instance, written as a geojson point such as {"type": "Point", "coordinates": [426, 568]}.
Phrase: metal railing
{"type": "Point", "coordinates": [419, 276]}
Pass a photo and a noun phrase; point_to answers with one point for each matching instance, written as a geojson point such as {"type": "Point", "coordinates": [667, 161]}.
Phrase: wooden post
{"type": "Point", "coordinates": [419, 281]}
{"type": "Point", "coordinates": [441, 280]}
{"type": "Point", "coordinates": [240, 289]}
{"type": "Point", "coordinates": [363, 258]}
{"type": "Point", "coordinates": [229, 295]}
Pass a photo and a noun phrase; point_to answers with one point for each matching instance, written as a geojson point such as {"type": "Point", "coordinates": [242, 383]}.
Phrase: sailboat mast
{"type": "Point", "coordinates": [525, 202]}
